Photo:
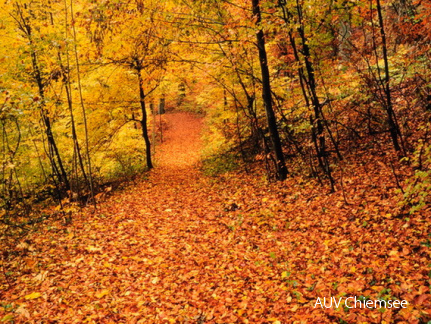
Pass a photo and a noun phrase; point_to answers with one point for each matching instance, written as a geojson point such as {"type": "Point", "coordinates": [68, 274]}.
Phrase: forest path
{"type": "Point", "coordinates": [171, 249]}
{"type": "Point", "coordinates": [181, 247]}
{"type": "Point", "coordinates": [168, 250]}
{"type": "Point", "coordinates": [181, 145]}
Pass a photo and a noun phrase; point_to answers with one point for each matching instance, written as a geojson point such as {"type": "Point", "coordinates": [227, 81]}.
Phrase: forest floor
{"type": "Point", "coordinates": [181, 247]}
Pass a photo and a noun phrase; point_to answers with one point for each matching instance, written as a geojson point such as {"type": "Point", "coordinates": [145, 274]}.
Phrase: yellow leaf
{"type": "Point", "coordinates": [265, 199]}
{"type": "Point", "coordinates": [103, 293]}
{"type": "Point", "coordinates": [285, 274]}
{"type": "Point", "coordinates": [32, 295]}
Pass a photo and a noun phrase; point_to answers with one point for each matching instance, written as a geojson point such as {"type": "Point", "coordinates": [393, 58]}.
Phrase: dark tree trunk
{"type": "Point", "coordinates": [143, 120]}
{"type": "Point", "coordinates": [317, 120]}
{"type": "Point", "coordinates": [308, 84]}
{"type": "Point", "coordinates": [393, 126]}
{"type": "Point", "coordinates": [61, 172]}
{"type": "Point", "coordinates": [57, 166]}
{"type": "Point", "coordinates": [266, 95]}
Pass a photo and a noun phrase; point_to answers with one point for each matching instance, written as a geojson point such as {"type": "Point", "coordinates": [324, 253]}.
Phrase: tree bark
{"type": "Point", "coordinates": [61, 174]}
{"type": "Point", "coordinates": [143, 120]}
{"type": "Point", "coordinates": [393, 126]}
{"type": "Point", "coordinates": [59, 170]}
{"type": "Point", "coordinates": [266, 96]}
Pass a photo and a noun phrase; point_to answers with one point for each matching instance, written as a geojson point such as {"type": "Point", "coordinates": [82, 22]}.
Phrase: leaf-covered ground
{"type": "Point", "coordinates": [180, 247]}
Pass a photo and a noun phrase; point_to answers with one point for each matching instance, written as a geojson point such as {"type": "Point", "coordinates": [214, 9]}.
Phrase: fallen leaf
{"type": "Point", "coordinates": [33, 295]}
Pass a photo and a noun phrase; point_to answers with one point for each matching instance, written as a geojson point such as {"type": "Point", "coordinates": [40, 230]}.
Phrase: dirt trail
{"type": "Point", "coordinates": [179, 247]}
{"type": "Point", "coordinates": [160, 252]}
{"type": "Point", "coordinates": [181, 143]}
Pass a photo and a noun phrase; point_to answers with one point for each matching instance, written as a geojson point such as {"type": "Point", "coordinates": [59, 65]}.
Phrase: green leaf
{"type": "Point", "coordinates": [7, 318]}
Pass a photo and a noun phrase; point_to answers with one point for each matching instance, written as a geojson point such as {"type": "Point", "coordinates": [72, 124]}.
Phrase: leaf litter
{"type": "Point", "coordinates": [172, 249]}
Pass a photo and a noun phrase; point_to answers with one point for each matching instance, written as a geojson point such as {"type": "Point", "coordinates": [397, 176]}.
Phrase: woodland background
{"type": "Point", "coordinates": [335, 95]}
{"type": "Point", "coordinates": [81, 81]}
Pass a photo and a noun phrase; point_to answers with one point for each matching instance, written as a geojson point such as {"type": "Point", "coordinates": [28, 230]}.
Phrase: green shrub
{"type": "Point", "coordinates": [418, 186]}
{"type": "Point", "coordinates": [219, 164]}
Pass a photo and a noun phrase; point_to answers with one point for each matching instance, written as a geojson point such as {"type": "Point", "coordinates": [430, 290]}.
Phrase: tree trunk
{"type": "Point", "coordinates": [143, 120]}
{"type": "Point", "coordinates": [61, 174]}
{"type": "Point", "coordinates": [317, 120]}
{"type": "Point", "coordinates": [393, 126]}
{"type": "Point", "coordinates": [308, 84]}
{"type": "Point", "coordinates": [266, 95]}
{"type": "Point", "coordinates": [84, 114]}
{"type": "Point", "coordinates": [58, 170]}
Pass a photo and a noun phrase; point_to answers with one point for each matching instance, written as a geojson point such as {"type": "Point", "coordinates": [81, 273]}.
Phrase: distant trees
{"type": "Point", "coordinates": [298, 84]}
{"type": "Point", "coordinates": [141, 47]}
